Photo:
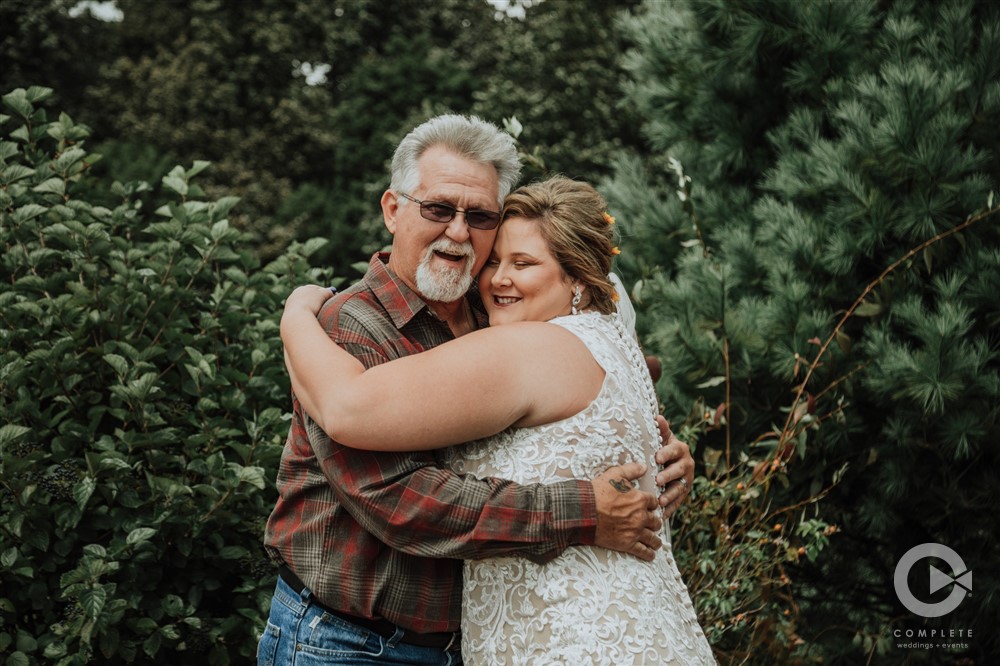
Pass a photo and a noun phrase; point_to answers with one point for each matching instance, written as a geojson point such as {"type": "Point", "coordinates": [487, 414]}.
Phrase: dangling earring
{"type": "Point", "coordinates": [577, 297]}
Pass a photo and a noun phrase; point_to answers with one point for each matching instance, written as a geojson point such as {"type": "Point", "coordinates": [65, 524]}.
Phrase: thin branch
{"type": "Point", "coordinates": [864, 294]}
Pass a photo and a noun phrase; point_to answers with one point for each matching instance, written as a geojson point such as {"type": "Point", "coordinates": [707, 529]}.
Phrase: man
{"type": "Point", "coordinates": [370, 544]}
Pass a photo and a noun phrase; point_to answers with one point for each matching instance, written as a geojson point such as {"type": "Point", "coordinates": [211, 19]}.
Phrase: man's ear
{"type": "Point", "coordinates": [390, 208]}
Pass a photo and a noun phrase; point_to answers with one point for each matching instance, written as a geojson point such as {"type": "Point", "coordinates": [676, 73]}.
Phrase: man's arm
{"type": "Point", "coordinates": [412, 504]}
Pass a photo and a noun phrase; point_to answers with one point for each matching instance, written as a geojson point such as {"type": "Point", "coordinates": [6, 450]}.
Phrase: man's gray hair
{"type": "Point", "coordinates": [468, 136]}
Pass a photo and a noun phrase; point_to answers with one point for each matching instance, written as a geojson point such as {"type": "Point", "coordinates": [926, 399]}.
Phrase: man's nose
{"type": "Point", "coordinates": [458, 230]}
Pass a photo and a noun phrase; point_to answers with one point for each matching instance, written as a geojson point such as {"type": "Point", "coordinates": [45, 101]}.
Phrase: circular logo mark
{"type": "Point", "coordinates": [960, 578]}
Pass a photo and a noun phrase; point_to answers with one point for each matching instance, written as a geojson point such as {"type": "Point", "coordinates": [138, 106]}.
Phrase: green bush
{"type": "Point", "coordinates": [142, 397]}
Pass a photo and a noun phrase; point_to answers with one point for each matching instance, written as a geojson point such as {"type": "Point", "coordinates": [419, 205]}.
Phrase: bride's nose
{"type": "Point", "coordinates": [500, 278]}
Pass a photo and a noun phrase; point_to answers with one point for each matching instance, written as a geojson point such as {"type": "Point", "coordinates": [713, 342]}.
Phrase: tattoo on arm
{"type": "Point", "coordinates": [620, 485]}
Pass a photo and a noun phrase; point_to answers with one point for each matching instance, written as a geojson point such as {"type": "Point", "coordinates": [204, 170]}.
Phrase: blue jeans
{"type": "Point", "coordinates": [300, 633]}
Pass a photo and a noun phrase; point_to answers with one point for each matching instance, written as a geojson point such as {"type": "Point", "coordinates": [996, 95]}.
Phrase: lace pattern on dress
{"type": "Point", "coordinates": [589, 605]}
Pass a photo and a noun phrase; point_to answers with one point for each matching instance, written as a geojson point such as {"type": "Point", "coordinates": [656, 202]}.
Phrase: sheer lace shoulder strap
{"type": "Point", "coordinates": [598, 332]}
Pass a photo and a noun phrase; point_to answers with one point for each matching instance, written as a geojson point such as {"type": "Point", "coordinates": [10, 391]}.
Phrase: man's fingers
{"type": "Point", "coordinates": [671, 503]}
{"type": "Point", "coordinates": [630, 471]}
{"type": "Point", "coordinates": [655, 521]}
{"type": "Point", "coordinates": [671, 507]}
{"type": "Point", "coordinates": [673, 495]}
{"type": "Point", "coordinates": [645, 548]}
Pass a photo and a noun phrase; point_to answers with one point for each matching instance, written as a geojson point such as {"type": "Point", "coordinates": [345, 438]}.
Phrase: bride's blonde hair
{"type": "Point", "coordinates": [574, 223]}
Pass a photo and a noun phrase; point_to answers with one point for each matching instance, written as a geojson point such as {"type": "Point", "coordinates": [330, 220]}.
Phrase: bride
{"type": "Point", "coordinates": [556, 388]}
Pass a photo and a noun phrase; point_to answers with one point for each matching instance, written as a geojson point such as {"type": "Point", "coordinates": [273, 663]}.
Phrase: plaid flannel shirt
{"type": "Point", "coordinates": [383, 535]}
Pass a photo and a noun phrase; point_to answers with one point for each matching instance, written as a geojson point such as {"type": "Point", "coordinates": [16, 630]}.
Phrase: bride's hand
{"type": "Point", "coordinates": [301, 308]}
{"type": "Point", "coordinates": [308, 297]}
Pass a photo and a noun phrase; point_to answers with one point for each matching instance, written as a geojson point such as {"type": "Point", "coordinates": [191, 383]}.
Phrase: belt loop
{"type": "Point", "coordinates": [306, 595]}
{"type": "Point", "coordinates": [397, 636]}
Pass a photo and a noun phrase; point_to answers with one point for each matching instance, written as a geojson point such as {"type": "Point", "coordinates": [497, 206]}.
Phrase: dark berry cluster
{"type": "Point", "coordinates": [24, 448]}
{"type": "Point", "coordinates": [71, 611]}
{"type": "Point", "coordinates": [60, 481]}
{"type": "Point", "coordinates": [257, 568]}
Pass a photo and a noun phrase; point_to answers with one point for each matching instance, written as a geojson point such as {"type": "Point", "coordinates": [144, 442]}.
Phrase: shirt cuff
{"type": "Point", "coordinates": [574, 513]}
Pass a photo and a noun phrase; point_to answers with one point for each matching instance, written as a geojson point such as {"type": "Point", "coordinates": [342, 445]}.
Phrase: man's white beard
{"type": "Point", "coordinates": [445, 284]}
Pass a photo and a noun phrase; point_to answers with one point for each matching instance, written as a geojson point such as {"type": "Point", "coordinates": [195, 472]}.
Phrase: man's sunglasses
{"type": "Point", "coordinates": [438, 211]}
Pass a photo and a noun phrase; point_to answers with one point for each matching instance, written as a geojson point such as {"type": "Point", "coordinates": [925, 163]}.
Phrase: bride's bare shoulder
{"type": "Point", "coordinates": [539, 336]}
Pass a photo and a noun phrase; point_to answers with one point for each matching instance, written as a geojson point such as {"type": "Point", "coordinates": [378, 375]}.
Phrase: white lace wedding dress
{"type": "Point", "coordinates": [589, 605]}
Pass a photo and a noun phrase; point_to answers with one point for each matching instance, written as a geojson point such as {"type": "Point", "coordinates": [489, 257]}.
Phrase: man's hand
{"type": "Point", "coordinates": [678, 469]}
{"type": "Point", "coordinates": [627, 519]}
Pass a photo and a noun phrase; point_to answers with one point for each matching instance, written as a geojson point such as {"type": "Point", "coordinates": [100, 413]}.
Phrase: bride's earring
{"type": "Point", "coordinates": [577, 297]}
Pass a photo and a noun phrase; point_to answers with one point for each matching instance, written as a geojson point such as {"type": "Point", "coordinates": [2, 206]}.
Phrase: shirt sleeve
{"type": "Point", "coordinates": [412, 503]}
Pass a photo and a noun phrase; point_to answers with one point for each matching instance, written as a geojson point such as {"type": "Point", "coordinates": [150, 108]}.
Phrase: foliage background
{"type": "Point", "coordinates": [812, 144]}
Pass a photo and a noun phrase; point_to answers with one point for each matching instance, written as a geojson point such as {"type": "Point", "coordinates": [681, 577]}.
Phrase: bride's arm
{"type": "Point", "coordinates": [477, 385]}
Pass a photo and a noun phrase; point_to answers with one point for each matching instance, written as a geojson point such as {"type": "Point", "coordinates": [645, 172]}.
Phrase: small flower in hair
{"type": "Point", "coordinates": [608, 218]}
{"type": "Point", "coordinates": [615, 251]}
{"type": "Point", "coordinates": [614, 296]}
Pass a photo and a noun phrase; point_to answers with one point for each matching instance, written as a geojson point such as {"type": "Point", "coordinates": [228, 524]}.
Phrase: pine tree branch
{"type": "Point", "coordinates": [786, 432]}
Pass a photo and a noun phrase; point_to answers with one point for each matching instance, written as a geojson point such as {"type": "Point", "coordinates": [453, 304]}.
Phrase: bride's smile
{"type": "Point", "coordinates": [521, 280]}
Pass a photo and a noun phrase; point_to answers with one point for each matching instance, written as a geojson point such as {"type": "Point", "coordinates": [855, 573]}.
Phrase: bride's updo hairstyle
{"type": "Point", "coordinates": [572, 217]}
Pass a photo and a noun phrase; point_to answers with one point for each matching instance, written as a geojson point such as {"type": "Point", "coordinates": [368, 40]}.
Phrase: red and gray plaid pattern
{"type": "Point", "coordinates": [382, 535]}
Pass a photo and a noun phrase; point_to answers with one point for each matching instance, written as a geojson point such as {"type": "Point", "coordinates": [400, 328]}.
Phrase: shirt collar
{"type": "Point", "coordinates": [402, 303]}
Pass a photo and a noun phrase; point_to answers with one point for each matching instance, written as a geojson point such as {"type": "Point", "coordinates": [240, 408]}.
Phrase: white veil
{"type": "Point", "coordinates": [625, 308]}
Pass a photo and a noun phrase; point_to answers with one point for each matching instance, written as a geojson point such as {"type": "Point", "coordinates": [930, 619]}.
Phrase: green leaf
{"type": "Point", "coordinates": [171, 632]}
{"type": "Point", "coordinates": [198, 167]}
{"type": "Point", "coordinates": [37, 539]}
{"type": "Point", "coordinates": [219, 229]}
{"type": "Point", "coordinates": [843, 341]}
{"type": "Point", "coordinates": [22, 134]}
{"type": "Point", "coordinates": [8, 149]}
{"type": "Point", "coordinates": [36, 94]}
{"type": "Point", "coordinates": [108, 462]}
{"type": "Point", "coordinates": [51, 186]}
{"type": "Point", "coordinates": [145, 625]}
{"type": "Point", "coordinates": [108, 642]}
{"type": "Point", "coordinates": [172, 605]}
{"type": "Point", "coordinates": [176, 183]}
{"type": "Point", "coordinates": [9, 557]}
{"type": "Point", "coordinates": [117, 362]}
{"type": "Point", "coordinates": [140, 534]}
{"type": "Point", "coordinates": [92, 601]}
{"type": "Point", "coordinates": [54, 650]}
{"type": "Point", "coordinates": [222, 207]}
{"type": "Point", "coordinates": [29, 212]}
{"type": "Point", "coordinates": [233, 552]}
{"type": "Point", "coordinates": [313, 244]}
{"type": "Point", "coordinates": [152, 645]}
{"type": "Point", "coordinates": [713, 381]}
{"type": "Point", "coordinates": [15, 172]}
{"type": "Point", "coordinates": [17, 659]}
{"type": "Point", "coordinates": [83, 490]}
{"type": "Point", "coordinates": [867, 309]}
{"type": "Point", "coordinates": [26, 642]}
{"type": "Point", "coordinates": [254, 476]}
{"type": "Point", "coordinates": [10, 433]}
{"type": "Point", "coordinates": [17, 101]}
{"type": "Point", "coordinates": [68, 159]}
